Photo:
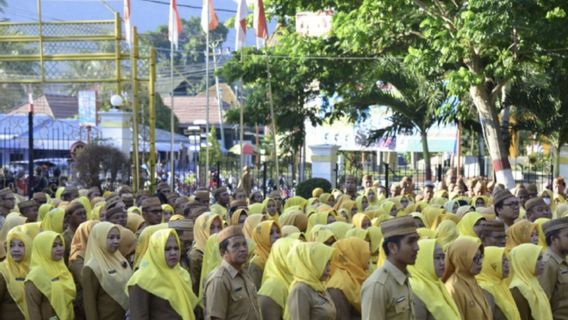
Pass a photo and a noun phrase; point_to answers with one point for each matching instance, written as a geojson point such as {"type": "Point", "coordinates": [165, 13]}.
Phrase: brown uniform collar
{"type": "Point", "coordinates": [233, 272]}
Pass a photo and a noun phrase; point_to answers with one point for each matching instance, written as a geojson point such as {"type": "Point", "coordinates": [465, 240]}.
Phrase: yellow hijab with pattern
{"type": "Point", "coordinates": [50, 277]}
{"type": "Point", "coordinates": [427, 285]}
{"type": "Point", "coordinates": [156, 277]}
{"type": "Point", "coordinates": [14, 273]}
{"type": "Point", "coordinates": [111, 269]}
{"type": "Point", "coordinates": [523, 263]}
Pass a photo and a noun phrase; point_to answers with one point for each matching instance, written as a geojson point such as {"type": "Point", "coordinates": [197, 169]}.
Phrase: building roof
{"type": "Point", "coordinates": [190, 109]}
{"type": "Point", "coordinates": [53, 105]}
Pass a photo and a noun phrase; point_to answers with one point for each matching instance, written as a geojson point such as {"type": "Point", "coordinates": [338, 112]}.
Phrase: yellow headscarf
{"type": "Point", "coordinates": [427, 285]}
{"type": "Point", "coordinates": [460, 282]}
{"type": "Point", "coordinates": [96, 212]}
{"type": "Point", "coordinates": [432, 217]}
{"type": "Point", "coordinates": [250, 223]}
{"type": "Point", "coordinates": [291, 232]}
{"type": "Point", "coordinates": [87, 205]}
{"type": "Point", "coordinates": [350, 264]}
{"type": "Point", "coordinates": [277, 276]}
{"type": "Point", "coordinates": [211, 260]}
{"type": "Point", "coordinates": [144, 242]}
{"type": "Point", "coordinates": [52, 278]}
{"type": "Point", "coordinates": [317, 218]}
{"type": "Point", "coordinates": [324, 198]}
{"type": "Point", "coordinates": [446, 233]}
{"type": "Point", "coordinates": [340, 228]}
{"type": "Point", "coordinates": [133, 220]}
{"type": "Point", "coordinates": [166, 208]}
{"type": "Point", "coordinates": [465, 226]}
{"type": "Point", "coordinates": [520, 232]}
{"type": "Point", "coordinates": [58, 192]}
{"type": "Point", "coordinates": [255, 208]}
{"type": "Point", "coordinates": [296, 201]}
{"type": "Point", "coordinates": [294, 217]}
{"type": "Point", "coordinates": [321, 233]}
{"type": "Point", "coordinates": [359, 203]}
{"type": "Point", "coordinates": [264, 209]}
{"type": "Point", "coordinates": [111, 269]}
{"type": "Point", "coordinates": [561, 210]}
{"type": "Point", "coordinates": [309, 260]}
{"type": "Point", "coordinates": [43, 210]}
{"type": "Point", "coordinates": [357, 233]}
{"type": "Point", "coordinates": [358, 220]}
{"type": "Point", "coordinates": [80, 239]}
{"type": "Point", "coordinates": [523, 262]}
{"type": "Point", "coordinates": [201, 229]}
{"type": "Point", "coordinates": [387, 206]}
{"type": "Point", "coordinates": [374, 203]}
{"type": "Point", "coordinates": [32, 229]}
{"type": "Point", "coordinates": [14, 272]}
{"type": "Point", "coordinates": [491, 279]}
{"type": "Point", "coordinates": [261, 238]}
{"type": "Point", "coordinates": [157, 278]}
{"type": "Point", "coordinates": [541, 236]}
{"type": "Point", "coordinates": [54, 220]}
{"type": "Point", "coordinates": [236, 216]}
{"type": "Point", "coordinates": [13, 219]}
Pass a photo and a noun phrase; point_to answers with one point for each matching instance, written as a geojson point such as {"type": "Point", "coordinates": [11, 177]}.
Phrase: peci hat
{"type": "Point", "coordinates": [494, 225]}
{"type": "Point", "coordinates": [229, 232]}
{"type": "Point", "coordinates": [398, 227]}
{"type": "Point", "coordinates": [27, 204]}
{"type": "Point", "coordinates": [501, 195]}
{"type": "Point", "coordinates": [151, 202]}
{"type": "Point", "coordinates": [556, 224]}
{"type": "Point", "coordinates": [533, 202]}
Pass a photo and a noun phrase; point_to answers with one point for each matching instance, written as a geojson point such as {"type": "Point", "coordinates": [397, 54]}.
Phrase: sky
{"type": "Point", "coordinates": [146, 15]}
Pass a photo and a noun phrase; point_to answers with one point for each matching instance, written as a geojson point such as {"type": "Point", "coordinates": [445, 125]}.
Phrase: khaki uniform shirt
{"type": "Point", "coordinates": [386, 294]}
{"type": "Point", "coordinates": [305, 303]}
{"type": "Point", "coordinates": [230, 294]}
{"type": "Point", "coordinates": [554, 282]}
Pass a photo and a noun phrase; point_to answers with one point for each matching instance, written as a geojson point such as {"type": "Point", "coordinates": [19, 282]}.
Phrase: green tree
{"type": "Point", "coordinates": [478, 46]}
{"type": "Point", "coordinates": [215, 154]}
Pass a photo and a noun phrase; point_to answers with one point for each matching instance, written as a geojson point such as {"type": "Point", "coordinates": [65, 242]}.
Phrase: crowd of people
{"type": "Point", "coordinates": [460, 250]}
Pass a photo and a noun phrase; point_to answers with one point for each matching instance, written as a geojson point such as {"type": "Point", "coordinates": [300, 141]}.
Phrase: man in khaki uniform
{"type": "Point", "coordinates": [554, 279]}
{"type": "Point", "coordinates": [229, 290]}
{"type": "Point", "coordinates": [386, 293]}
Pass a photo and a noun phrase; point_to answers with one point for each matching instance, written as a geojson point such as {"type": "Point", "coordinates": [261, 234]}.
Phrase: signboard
{"type": "Point", "coordinates": [87, 108]}
{"type": "Point", "coordinates": [314, 24]}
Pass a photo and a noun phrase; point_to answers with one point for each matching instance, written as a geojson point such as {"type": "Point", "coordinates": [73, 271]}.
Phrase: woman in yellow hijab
{"type": "Point", "coordinates": [276, 280]}
{"type": "Point", "coordinates": [105, 274]}
{"type": "Point", "coordinates": [464, 261]}
{"type": "Point", "coordinates": [432, 298]}
{"type": "Point", "coordinates": [526, 266]}
{"type": "Point", "coordinates": [54, 220]}
{"type": "Point", "coordinates": [340, 228]}
{"type": "Point", "coordinates": [350, 263]}
{"type": "Point", "coordinates": [43, 210]}
{"type": "Point", "coordinates": [49, 286]}
{"type": "Point", "coordinates": [263, 236]}
{"type": "Point", "coordinates": [361, 220]}
{"type": "Point", "coordinates": [492, 279]}
{"type": "Point", "coordinates": [205, 225]}
{"type": "Point", "coordinates": [372, 198]}
{"type": "Point", "coordinates": [238, 217]}
{"type": "Point", "coordinates": [470, 224]}
{"type": "Point", "coordinates": [522, 231]}
{"type": "Point", "coordinates": [13, 271]}
{"type": "Point", "coordinates": [541, 236]}
{"type": "Point", "coordinates": [432, 216]}
{"type": "Point", "coordinates": [270, 209]}
{"type": "Point", "coordinates": [389, 207]}
{"type": "Point", "coordinates": [322, 218]}
{"type": "Point", "coordinates": [308, 298]}
{"type": "Point", "coordinates": [327, 198]}
{"type": "Point", "coordinates": [161, 288]}
{"type": "Point", "coordinates": [362, 203]}
{"type": "Point", "coordinates": [295, 201]}
{"type": "Point", "coordinates": [295, 218]}
{"type": "Point", "coordinates": [12, 220]}
{"type": "Point", "coordinates": [167, 212]}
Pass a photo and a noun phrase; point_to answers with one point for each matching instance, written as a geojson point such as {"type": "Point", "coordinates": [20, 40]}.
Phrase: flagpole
{"type": "Point", "coordinates": [273, 121]}
{"type": "Point", "coordinates": [172, 129]}
{"type": "Point", "coordinates": [207, 103]}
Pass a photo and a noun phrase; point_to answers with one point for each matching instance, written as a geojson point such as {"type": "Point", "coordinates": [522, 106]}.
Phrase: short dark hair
{"type": "Point", "coordinates": [224, 246]}
{"type": "Point", "coordinates": [394, 239]}
{"type": "Point", "coordinates": [550, 235]}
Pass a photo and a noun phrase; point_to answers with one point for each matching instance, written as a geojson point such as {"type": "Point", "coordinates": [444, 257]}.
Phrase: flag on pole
{"type": "Point", "coordinates": [127, 23]}
{"type": "Point", "coordinates": [241, 24]}
{"type": "Point", "coordinates": [209, 19]}
{"type": "Point", "coordinates": [174, 25]}
{"type": "Point", "coordinates": [260, 24]}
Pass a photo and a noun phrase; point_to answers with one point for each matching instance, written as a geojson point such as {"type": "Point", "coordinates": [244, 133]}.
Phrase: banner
{"type": "Point", "coordinates": [87, 108]}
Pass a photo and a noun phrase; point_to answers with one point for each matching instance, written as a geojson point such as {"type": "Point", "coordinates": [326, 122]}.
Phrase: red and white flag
{"type": "Point", "coordinates": [174, 25]}
{"type": "Point", "coordinates": [241, 24]}
{"type": "Point", "coordinates": [127, 23]}
{"type": "Point", "coordinates": [260, 24]}
{"type": "Point", "coordinates": [209, 19]}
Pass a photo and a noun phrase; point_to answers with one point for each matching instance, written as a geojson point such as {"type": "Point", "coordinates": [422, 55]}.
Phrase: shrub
{"type": "Point", "coordinates": [305, 188]}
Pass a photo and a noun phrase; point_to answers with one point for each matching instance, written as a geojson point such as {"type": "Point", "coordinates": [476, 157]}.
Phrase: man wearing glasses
{"type": "Point", "coordinates": [152, 213]}
{"type": "Point", "coordinates": [506, 206]}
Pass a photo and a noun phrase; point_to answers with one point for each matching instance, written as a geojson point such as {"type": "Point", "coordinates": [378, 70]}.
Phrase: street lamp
{"type": "Point", "coordinates": [116, 101]}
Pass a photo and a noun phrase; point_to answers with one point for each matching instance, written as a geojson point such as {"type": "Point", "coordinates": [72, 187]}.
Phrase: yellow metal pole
{"type": "Point", "coordinates": [117, 46]}
{"type": "Point", "coordinates": [135, 110]}
{"type": "Point", "coordinates": [40, 29]}
{"type": "Point", "coordinates": [152, 118]}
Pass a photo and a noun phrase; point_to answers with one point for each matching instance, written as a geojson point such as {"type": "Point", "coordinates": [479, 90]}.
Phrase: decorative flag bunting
{"type": "Point", "coordinates": [241, 24]}
{"type": "Point", "coordinates": [174, 25]}
{"type": "Point", "coordinates": [127, 23]}
{"type": "Point", "coordinates": [260, 23]}
{"type": "Point", "coordinates": [209, 19]}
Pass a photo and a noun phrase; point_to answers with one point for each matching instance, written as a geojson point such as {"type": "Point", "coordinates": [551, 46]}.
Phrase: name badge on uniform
{"type": "Point", "coordinates": [563, 272]}
{"type": "Point", "coordinates": [238, 289]}
{"type": "Point", "coordinates": [400, 299]}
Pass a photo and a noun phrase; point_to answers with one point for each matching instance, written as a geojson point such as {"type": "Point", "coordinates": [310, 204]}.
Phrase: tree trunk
{"type": "Point", "coordinates": [557, 148]}
{"type": "Point", "coordinates": [426, 153]}
{"type": "Point", "coordinates": [490, 124]}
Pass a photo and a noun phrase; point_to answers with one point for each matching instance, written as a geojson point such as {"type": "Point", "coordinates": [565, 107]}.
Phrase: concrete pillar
{"type": "Point", "coordinates": [563, 163]}
{"type": "Point", "coordinates": [115, 126]}
{"type": "Point", "coordinates": [324, 159]}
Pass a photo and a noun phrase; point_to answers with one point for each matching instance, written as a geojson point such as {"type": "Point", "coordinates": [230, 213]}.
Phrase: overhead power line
{"type": "Point", "coordinates": [189, 6]}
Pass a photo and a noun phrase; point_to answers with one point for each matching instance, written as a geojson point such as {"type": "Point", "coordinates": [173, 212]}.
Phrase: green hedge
{"type": "Point", "coordinates": [305, 188]}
